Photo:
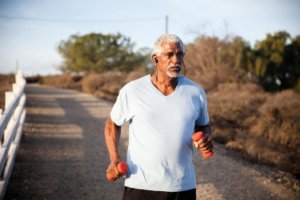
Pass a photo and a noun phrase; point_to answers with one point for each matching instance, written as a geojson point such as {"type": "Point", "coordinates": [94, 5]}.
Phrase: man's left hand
{"type": "Point", "coordinates": [205, 144]}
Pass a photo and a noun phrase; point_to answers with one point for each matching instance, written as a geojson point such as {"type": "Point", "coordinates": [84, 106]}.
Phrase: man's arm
{"type": "Point", "coordinates": [205, 129]}
{"type": "Point", "coordinates": [112, 134]}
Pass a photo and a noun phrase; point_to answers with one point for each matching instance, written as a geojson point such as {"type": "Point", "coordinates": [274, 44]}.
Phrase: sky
{"type": "Point", "coordinates": [31, 30]}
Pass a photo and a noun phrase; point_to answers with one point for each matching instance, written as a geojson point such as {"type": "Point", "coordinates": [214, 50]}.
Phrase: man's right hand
{"type": "Point", "coordinates": [112, 172]}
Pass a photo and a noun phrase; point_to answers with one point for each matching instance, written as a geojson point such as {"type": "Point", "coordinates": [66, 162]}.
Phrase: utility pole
{"type": "Point", "coordinates": [17, 64]}
{"type": "Point", "coordinates": [167, 24]}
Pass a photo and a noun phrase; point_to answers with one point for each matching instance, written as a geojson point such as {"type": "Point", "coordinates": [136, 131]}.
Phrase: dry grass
{"type": "Point", "coordinates": [6, 81]}
{"type": "Point", "coordinates": [62, 81]}
{"type": "Point", "coordinates": [265, 127]}
{"type": "Point", "coordinates": [279, 121]}
{"type": "Point", "coordinates": [105, 85]}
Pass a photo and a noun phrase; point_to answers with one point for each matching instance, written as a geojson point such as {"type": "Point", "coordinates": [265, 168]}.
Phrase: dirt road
{"type": "Point", "coordinates": [63, 156]}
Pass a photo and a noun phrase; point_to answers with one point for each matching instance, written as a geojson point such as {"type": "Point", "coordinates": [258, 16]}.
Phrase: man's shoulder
{"type": "Point", "coordinates": [136, 83]}
{"type": "Point", "coordinates": [188, 82]}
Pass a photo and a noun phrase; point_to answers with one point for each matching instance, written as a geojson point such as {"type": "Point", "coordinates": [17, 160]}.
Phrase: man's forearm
{"type": "Point", "coordinates": [112, 135]}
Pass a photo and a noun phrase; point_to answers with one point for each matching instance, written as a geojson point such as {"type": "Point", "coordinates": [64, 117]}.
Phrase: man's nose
{"type": "Point", "coordinates": [176, 59]}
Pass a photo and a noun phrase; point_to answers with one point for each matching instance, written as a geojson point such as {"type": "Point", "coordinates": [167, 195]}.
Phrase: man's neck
{"type": "Point", "coordinates": [165, 85]}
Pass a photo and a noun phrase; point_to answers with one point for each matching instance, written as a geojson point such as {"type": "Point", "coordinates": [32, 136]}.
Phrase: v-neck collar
{"type": "Point", "coordinates": [159, 92]}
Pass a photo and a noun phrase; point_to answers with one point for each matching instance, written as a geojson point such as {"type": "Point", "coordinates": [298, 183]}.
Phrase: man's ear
{"type": "Point", "coordinates": [154, 59]}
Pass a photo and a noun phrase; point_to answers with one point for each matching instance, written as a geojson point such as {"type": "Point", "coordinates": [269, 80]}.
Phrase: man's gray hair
{"type": "Point", "coordinates": [166, 38]}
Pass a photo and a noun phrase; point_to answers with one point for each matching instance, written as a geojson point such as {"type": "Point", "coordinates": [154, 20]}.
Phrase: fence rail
{"type": "Point", "coordinates": [11, 125]}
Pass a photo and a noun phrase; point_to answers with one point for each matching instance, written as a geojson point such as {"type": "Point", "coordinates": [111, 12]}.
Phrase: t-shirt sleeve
{"type": "Point", "coordinates": [120, 110]}
{"type": "Point", "coordinates": [203, 118]}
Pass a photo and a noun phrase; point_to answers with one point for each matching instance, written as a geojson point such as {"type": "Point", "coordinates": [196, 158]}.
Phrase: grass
{"type": "Point", "coordinates": [264, 127]}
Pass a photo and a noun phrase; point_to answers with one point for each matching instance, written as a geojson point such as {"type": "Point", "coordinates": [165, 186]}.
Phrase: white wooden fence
{"type": "Point", "coordinates": [11, 124]}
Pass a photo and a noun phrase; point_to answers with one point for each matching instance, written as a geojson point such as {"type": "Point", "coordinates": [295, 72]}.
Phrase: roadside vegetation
{"type": "Point", "coordinates": [253, 93]}
{"type": "Point", "coordinates": [6, 81]}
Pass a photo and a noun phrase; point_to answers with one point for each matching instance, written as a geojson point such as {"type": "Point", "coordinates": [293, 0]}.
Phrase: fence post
{"type": "Point", "coordinates": [11, 124]}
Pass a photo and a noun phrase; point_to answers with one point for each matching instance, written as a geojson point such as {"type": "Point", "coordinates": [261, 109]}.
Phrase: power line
{"type": "Point", "coordinates": [167, 24]}
{"type": "Point", "coordinates": [7, 17]}
{"type": "Point", "coordinates": [166, 19]}
{"type": "Point", "coordinates": [178, 24]}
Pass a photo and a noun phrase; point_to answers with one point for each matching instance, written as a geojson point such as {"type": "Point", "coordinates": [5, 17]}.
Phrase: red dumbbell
{"type": "Point", "coordinates": [122, 169]}
{"type": "Point", "coordinates": [197, 136]}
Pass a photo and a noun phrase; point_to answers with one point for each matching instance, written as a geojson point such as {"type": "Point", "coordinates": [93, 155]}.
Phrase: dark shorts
{"type": "Point", "coordinates": [136, 194]}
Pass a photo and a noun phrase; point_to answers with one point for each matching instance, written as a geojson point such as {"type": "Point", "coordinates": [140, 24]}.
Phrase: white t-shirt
{"type": "Point", "coordinates": [160, 150]}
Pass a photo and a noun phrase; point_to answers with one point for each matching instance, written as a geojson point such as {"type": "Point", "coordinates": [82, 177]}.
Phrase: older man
{"type": "Point", "coordinates": [164, 110]}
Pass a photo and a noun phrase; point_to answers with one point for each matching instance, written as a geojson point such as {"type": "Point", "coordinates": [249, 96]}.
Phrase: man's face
{"type": "Point", "coordinates": [170, 60]}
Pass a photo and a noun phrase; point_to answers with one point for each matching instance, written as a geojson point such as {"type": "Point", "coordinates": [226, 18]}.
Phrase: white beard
{"type": "Point", "coordinates": [174, 74]}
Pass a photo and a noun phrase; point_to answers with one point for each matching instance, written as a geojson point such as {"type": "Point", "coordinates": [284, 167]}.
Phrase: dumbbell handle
{"type": "Point", "coordinates": [196, 137]}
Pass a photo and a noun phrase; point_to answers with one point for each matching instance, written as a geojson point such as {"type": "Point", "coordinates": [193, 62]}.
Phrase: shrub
{"type": "Point", "coordinates": [6, 81]}
{"type": "Point", "coordinates": [62, 81]}
{"type": "Point", "coordinates": [232, 107]}
{"type": "Point", "coordinates": [265, 127]}
{"type": "Point", "coordinates": [105, 85]}
{"type": "Point", "coordinates": [279, 120]}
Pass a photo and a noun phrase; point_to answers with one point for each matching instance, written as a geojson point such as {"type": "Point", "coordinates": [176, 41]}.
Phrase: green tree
{"type": "Point", "coordinates": [96, 52]}
{"type": "Point", "coordinates": [236, 53]}
{"type": "Point", "coordinates": [272, 56]}
{"type": "Point", "coordinates": [292, 65]}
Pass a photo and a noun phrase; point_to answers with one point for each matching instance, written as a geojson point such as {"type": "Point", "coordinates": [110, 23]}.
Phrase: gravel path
{"type": "Point", "coordinates": [63, 156]}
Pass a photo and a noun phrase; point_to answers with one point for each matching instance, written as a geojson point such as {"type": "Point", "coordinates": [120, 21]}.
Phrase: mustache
{"type": "Point", "coordinates": [176, 65]}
